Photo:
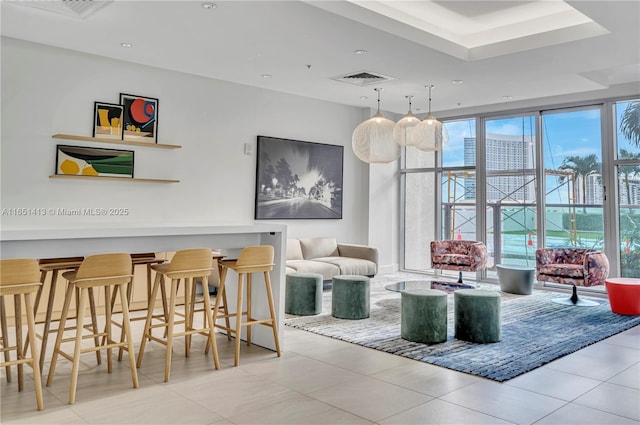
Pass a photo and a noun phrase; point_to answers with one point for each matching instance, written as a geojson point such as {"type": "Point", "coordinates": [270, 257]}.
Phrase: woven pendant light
{"type": "Point", "coordinates": [372, 140]}
{"type": "Point", "coordinates": [431, 135]}
{"type": "Point", "coordinates": [405, 127]}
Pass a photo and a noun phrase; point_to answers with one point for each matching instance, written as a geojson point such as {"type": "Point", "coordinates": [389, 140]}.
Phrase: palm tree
{"type": "Point", "coordinates": [630, 123]}
{"type": "Point", "coordinates": [582, 166]}
{"type": "Point", "coordinates": [628, 170]}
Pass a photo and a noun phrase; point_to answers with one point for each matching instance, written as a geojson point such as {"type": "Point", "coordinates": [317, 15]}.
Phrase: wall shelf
{"type": "Point", "coordinates": [125, 179]}
{"type": "Point", "coordinates": [114, 141]}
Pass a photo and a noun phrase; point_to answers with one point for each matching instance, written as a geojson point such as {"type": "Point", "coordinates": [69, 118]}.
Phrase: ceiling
{"type": "Point", "coordinates": [502, 51]}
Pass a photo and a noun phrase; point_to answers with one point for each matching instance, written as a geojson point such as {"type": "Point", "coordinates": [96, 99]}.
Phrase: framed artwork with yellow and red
{"type": "Point", "coordinates": [140, 118]}
{"type": "Point", "coordinates": [107, 120]}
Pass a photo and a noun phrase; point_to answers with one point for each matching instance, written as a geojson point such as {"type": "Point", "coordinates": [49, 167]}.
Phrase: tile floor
{"type": "Point", "coordinates": [319, 380]}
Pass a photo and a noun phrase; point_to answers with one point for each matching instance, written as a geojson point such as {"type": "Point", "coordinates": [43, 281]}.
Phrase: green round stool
{"type": "Point", "coordinates": [424, 315]}
{"type": "Point", "coordinates": [350, 297]}
{"type": "Point", "coordinates": [303, 294]}
{"type": "Point", "coordinates": [477, 315]}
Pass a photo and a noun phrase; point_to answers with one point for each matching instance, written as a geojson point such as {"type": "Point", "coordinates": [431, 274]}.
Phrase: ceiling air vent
{"type": "Point", "coordinates": [362, 78]}
{"type": "Point", "coordinates": [73, 8]}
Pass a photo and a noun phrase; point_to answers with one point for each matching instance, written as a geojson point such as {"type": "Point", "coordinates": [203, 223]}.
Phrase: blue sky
{"type": "Point", "coordinates": [566, 133]}
{"type": "Point", "coordinates": [575, 133]}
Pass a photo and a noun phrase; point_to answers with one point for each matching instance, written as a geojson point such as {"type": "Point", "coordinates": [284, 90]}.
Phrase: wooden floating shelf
{"type": "Point", "coordinates": [114, 141]}
{"type": "Point", "coordinates": [119, 179]}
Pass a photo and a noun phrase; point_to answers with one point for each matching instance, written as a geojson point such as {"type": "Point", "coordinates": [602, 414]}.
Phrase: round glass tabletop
{"type": "Point", "coordinates": [427, 284]}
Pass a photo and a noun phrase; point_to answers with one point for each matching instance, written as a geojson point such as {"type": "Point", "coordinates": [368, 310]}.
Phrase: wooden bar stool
{"type": "Point", "coordinates": [53, 266]}
{"type": "Point", "coordinates": [96, 271]}
{"type": "Point", "coordinates": [252, 259]}
{"type": "Point", "coordinates": [140, 259]}
{"type": "Point", "coordinates": [187, 264]}
{"type": "Point", "coordinates": [19, 278]}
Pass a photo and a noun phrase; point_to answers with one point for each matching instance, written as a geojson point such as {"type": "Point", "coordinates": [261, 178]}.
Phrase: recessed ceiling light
{"type": "Point", "coordinates": [266, 75]}
{"type": "Point", "coordinates": [507, 97]}
{"type": "Point", "coordinates": [360, 52]}
{"type": "Point", "coordinates": [457, 81]}
{"type": "Point", "coordinates": [209, 5]}
{"type": "Point", "coordinates": [127, 45]}
{"type": "Point", "coordinates": [364, 97]}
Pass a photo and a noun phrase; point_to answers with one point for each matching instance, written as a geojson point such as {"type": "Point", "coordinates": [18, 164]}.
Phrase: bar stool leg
{"type": "Point", "coordinates": [146, 334]}
{"type": "Point", "coordinates": [236, 358]}
{"type": "Point", "coordinates": [78, 344]}
{"type": "Point", "coordinates": [61, 326]}
{"type": "Point", "coordinates": [18, 319]}
{"type": "Point", "coordinates": [107, 327]}
{"type": "Point", "coordinates": [31, 326]}
{"type": "Point", "coordinates": [117, 289]}
{"type": "Point", "coordinates": [225, 308]}
{"type": "Point", "coordinates": [163, 293]}
{"type": "Point", "coordinates": [5, 338]}
{"type": "Point", "coordinates": [172, 311]}
{"type": "Point", "coordinates": [94, 324]}
{"type": "Point", "coordinates": [126, 329]}
{"type": "Point", "coordinates": [272, 310]}
{"type": "Point", "coordinates": [249, 317]}
{"type": "Point", "coordinates": [226, 311]}
{"type": "Point", "coordinates": [47, 321]}
{"type": "Point", "coordinates": [216, 309]}
{"type": "Point", "coordinates": [208, 316]}
{"type": "Point", "coordinates": [188, 312]}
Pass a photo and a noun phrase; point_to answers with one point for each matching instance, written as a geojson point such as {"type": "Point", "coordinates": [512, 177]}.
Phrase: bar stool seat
{"type": "Point", "coordinates": [19, 278]}
{"type": "Point", "coordinates": [96, 271]}
{"type": "Point", "coordinates": [187, 264]}
{"type": "Point", "coordinates": [252, 259]}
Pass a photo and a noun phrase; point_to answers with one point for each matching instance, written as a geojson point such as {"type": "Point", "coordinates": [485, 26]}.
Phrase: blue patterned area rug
{"type": "Point", "coordinates": [535, 331]}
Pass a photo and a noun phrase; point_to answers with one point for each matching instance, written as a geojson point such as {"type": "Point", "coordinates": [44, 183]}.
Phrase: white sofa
{"type": "Point", "coordinates": [327, 257]}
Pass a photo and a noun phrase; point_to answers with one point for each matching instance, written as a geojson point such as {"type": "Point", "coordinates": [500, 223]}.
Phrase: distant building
{"type": "Point", "coordinates": [593, 188]}
{"type": "Point", "coordinates": [508, 158]}
{"type": "Point", "coordinates": [512, 154]}
{"type": "Point", "coordinates": [633, 191]}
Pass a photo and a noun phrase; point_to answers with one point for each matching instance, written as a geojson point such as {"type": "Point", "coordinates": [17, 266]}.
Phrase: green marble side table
{"type": "Point", "coordinates": [424, 316]}
{"type": "Point", "coordinates": [303, 294]}
{"type": "Point", "coordinates": [350, 297]}
{"type": "Point", "coordinates": [477, 315]}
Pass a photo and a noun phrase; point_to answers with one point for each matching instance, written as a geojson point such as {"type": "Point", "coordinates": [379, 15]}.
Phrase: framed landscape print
{"type": "Point", "coordinates": [99, 162]}
{"type": "Point", "coordinates": [107, 120]}
{"type": "Point", "coordinates": [298, 180]}
{"type": "Point", "coordinates": [140, 118]}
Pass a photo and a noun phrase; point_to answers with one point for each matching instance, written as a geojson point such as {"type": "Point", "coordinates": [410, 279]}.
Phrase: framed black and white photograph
{"type": "Point", "coordinates": [298, 180]}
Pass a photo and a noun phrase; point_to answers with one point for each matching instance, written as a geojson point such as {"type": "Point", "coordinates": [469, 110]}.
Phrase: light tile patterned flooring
{"type": "Point", "coordinates": [320, 380]}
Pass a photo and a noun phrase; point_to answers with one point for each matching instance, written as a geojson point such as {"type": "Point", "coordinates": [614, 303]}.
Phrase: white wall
{"type": "Point", "coordinates": [47, 90]}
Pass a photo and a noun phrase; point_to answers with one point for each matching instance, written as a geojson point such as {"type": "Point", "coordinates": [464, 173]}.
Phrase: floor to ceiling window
{"type": "Point", "coordinates": [454, 169]}
{"type": "Point", "coordinates": [627, 165]}
{"type": "Point", "coordinates": [489, 189]}
{"type": "Point", "coordinates": [510, 163]}
{"type": "Point", "coordinates": [572, 146]}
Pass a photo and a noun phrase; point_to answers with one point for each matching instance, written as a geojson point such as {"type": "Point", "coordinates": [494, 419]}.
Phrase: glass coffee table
{"type": "Point", "coordinates": [448, 287]}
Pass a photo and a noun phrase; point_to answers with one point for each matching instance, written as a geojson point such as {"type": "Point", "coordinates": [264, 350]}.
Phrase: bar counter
{"type": "Point", "coordinates": [68, 242]}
